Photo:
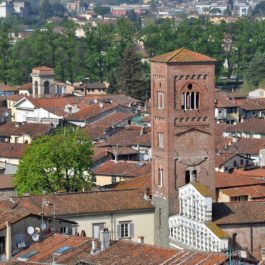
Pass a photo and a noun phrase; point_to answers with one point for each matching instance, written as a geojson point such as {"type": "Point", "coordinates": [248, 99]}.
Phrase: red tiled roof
{"type": "Point", "coordinates": [8, 150]}
{"type": "Point", "coordinates": [12, 216]}
{"type": "Point", "coordinates": [182, 56]}
{"type": "Point", "coordinates": [122, 150]}
{"type": "Point", "coordinates": [252, 104]}
{"type": "Point", "coordinates": [99, 153]}
{"type": "Point", "coordinates": [220, 159]}
{"type": "Point", "coordinates": [239, 212]}
{"type": "Point", "coordinates": [27, 86]}
{"type": "Point", "coordinates": [254, 192]}
{"type": "Point", "coordinates": [86, 203]}
{"type": "Point", "coordinates": [142, 183]}
{"type": "Point", "coordinates": [131, 135]}
{"type": "Point", "coordinates": [6, 182]}
{"type": "Point", "coordinates": [33, 129]}
{"type": "Point", "coordinates": [42, 68]}
{"type": "Point", "coordinates": [123, 168]}
{"type": "Point", "coordinates": [252, 125]}
{"type": "Point", "coordinates": [222, 100]}
{"type": "Point", "coordinates": [8, 88]}
{"type": "Point", "coordinates": [246, 146]}
{"type": "Point", "coordinates": [49, 245]}
{"type": "Point", "coordinates": [226, 180]}
{"type": "Point", "coordinates": [129, 253]}
{"type": "Point", "coordinates": [258, 172]}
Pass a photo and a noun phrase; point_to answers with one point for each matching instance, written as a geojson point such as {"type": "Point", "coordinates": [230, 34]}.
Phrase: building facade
{"type": "Point", "coordinates": [182, 85]}
{"type": "Point", "coordinates": [193, 228]}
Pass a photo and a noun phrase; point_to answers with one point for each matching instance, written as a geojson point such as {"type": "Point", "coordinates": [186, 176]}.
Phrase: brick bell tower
{"type": "Point", "coordinates": [182, 93]}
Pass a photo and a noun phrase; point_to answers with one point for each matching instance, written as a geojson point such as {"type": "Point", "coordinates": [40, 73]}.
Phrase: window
{"type": "Point", "coordinates": [113, 180]}
{"type": "Point", "coordinates": [160, 100]}
{"type": "Point", "coordinates": [46, 88]}
{"type": "Point", "coordinates": [64, 230]}
{"type": "Point", "coordinates": [190, 100]}
{"type": "Point", "coordinates": [160, 140]}
{"type": "Point", "coordinates": [36, 85]}
{"type": "Point", "coordinates": [125, 230]}
{"type": "Point", "coordinates": [2, 244]}
{"type": "Point", "coordinates": [97, 228]}
{"type": "Point", "coordinates": [160, 177]}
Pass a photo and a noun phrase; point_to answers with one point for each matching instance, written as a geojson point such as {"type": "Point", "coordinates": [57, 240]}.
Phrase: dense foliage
{"type": "Point", "coordinates": [60, 161]}
{"type": "Point", "coordinates": [101, 55]}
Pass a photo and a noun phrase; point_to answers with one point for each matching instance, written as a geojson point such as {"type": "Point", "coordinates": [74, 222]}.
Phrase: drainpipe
{"type": "Point", "coordinates": [8, 241]}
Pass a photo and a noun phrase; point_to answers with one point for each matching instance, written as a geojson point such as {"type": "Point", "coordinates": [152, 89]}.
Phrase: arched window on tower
{"type": "Point", "coordinates": [190, 99]}
{"type": "Point", "coordinates": [46, 88]}
{"type": "Point", "coordinates": [36, 85]}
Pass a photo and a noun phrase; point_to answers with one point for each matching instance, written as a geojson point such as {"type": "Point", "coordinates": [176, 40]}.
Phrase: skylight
{"type": "Point", "coordinates": [62, 250]}
{"type": "Point", "coordinates": [27, 255]}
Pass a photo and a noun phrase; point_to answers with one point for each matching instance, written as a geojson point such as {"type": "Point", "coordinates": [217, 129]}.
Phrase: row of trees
{"type": "Point", "coordinates": [109, 51]}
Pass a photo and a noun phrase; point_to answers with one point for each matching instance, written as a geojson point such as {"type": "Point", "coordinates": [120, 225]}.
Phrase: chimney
{"type": "Point", "coordinates": [8, 241]}
{"type": "Point", "coordinates": [93, 249]}
{"type": "Point", "coordinates": [142, 131]}
{"type": "Point", "coordinates": [141, 239]}
{"type": "Point", "coordinates": [105, 239]}
{"type": "Point", "coordinates": [262, 254]}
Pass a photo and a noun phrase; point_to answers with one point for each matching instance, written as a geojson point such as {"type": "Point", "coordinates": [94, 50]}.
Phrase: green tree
{"type": "Point", "coordinates": [132, 77]}
{"type": "Point", "coordinates": [46, 10]}
{"type": "Point", "coordinates": [255, 73]}
{"type": "Point", "coordinates": [4, 53]}
{"type": "Point", "coordinates": [102, 10]}
{"type": "Point", "coordinates": [55, 162]}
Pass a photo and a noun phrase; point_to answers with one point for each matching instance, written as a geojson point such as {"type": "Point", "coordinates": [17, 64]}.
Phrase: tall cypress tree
{"type": "Point", "coordinates": [132, 75]}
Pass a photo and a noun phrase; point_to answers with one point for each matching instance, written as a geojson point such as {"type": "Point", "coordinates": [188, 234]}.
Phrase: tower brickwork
{"type": "Point", "coordinates": [182, 92]}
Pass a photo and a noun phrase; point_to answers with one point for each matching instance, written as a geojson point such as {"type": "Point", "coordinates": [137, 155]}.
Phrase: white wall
{"type": "Point", "coordinates": [143, 224]}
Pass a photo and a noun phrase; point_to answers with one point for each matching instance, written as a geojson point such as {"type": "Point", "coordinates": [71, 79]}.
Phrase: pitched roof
{"type": "Point", "coordinates": [8, 150]}
{"type": "Point", "coordinates": [226, 180]}
{"type": "Point", "coordinates": [123, 168]}
{"type": "Point", "coordinates": [254, 192]}
{"type": "Point", "coordinates": [244, 212]}
{"type": "Point", "coordinates": [6, 182]}
{"type": "Point", "coordinates": [222, 100]}
{"type": "Point", "coordinates": [8, 88]}
{"type": "Point", "coordinates": [251, 126]}
{"type": "Point", "coordinates": [141, 183]}
{"type": "Point", "coordinates": [182, 56]}
{"type": "Point", "coordinates": [33, 129]}
{"type": "Point", "coordinates": [258, 172]}
{"type": "Point", "coordinates": [11, 216]}
{"type": "Point", "coordinates": [129, 253]}
{"type": "Point", "coordinates": [86, 203]}
{"type": "Point", "coordinates": [46, 248]}
{"type": "Point", "coordinates": [122, 150]}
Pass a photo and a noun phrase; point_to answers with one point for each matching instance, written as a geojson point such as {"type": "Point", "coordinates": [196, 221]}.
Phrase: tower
{"type": "Point", "coordinates": [182, 92]}
{"type": "Point", "coordinates": [42, 81]}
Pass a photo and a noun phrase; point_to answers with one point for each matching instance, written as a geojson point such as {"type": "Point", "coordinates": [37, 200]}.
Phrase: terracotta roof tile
{"type": "Point", "coordinates": [49, 245]}
{"type": "Point", "coordinates": [226, 180]}
{"type": "Point", "coordinates": [254, 192]}
{"type": "Point", "coordinates": [252, 126]}
{"type": "Point", "coordinates": [6, 182]}
{"type": "Point", "coordinates": [182, 56]}
{"type": "Point", "coordinates": [33, 129]}
{"type": "Point", "coordinates": [86, 203]}
{"type": "Point", "coordinates": [8, 150]}
{"type": "Point", "coordinates": [122, 150]}
{"type": "Point", "coordinates": [12, 216]}
{"type": "Point", "coordinates": [141, 183]}
{"type": "Point", "coordinates": [239, 212]}
{"type": "Point", "coordinates": [8, 88]}
{"type": "Point", "coordinates": [258, 172]}
{"type": "Point", "coordinates": [222, 100]}
{"type": "Point", "coordinates": [129, 253]}
{"type": "Point", "coordinates": [123, 168]}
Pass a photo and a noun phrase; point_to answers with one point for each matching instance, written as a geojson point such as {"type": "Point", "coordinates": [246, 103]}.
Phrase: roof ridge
{"type": "Point", "coordinates": [175, 54]}
{"type": "Point", "coordinates": [73, 193]}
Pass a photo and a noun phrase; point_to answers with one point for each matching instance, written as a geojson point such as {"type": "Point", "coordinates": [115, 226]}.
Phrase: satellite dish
{"type": "Point", "coordinates": [35, 237]}
{"type": "Point", "coordinates": [37, 230]}
{"type": "Point", "coordinates": [95, 101]}
{"type": "Point", "coordinates": [30, 230]}
{"type": "Point", "coordinates": [146, 157]}
{"type": "Point", "coordinates": [43, 226]}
